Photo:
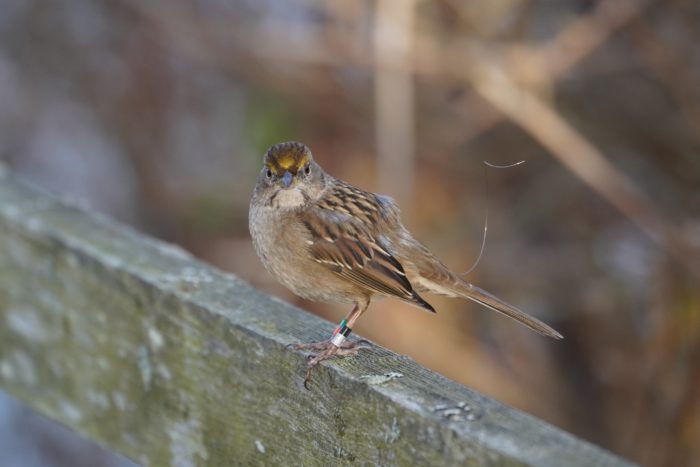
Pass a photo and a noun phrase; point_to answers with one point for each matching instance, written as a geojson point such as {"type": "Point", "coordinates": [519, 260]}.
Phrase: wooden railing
{"type": "Point", "coordinates": [168, 361]}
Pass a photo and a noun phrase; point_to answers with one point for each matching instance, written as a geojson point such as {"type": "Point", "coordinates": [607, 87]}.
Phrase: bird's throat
{"type": "Point", "coordinates": [288, 198]}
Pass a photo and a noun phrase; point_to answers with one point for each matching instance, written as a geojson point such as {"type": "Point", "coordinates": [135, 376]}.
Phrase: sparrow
{"type": "Point", "coordinates": [329, 241]}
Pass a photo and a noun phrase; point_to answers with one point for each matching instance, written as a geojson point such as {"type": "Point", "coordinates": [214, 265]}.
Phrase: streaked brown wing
{"type": "Point", "coordinates": [365, 264]}
{"type": "Point", "coordinates": [346, 245]}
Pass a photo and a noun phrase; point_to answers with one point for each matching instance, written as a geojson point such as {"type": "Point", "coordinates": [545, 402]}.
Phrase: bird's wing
{"type": "Point", "coordinates": [344, 228]}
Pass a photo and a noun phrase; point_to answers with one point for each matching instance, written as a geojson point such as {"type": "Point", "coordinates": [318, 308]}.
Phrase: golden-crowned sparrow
{"type": "Point", "coordinates": [329, 241]}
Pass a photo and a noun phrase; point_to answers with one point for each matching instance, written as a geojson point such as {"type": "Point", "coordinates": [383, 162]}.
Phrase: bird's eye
{"type": "Point", "coordinates": [307, 169]}
{"type": "Point", "coordinates": [268, 173]}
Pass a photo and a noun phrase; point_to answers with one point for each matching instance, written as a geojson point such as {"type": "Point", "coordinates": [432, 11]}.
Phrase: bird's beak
{"type": "Point", "coordinates": [287, 179]}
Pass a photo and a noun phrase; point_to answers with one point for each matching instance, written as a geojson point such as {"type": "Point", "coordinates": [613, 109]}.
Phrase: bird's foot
{"type": "Point", "coordinates": [327, 349]}
{"type": "Point", "coordinates": [320, 345]}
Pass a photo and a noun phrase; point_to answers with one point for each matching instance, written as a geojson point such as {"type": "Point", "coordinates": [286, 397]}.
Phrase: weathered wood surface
{"type": "Point", "coordinates": [168, 361]}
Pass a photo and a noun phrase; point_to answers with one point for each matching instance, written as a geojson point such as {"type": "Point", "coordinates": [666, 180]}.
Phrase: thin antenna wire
{"type": "Point", "coordinates": [486, 214]}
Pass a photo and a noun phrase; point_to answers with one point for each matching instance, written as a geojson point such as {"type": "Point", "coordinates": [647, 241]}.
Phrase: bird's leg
{"type": "Point", "coordinates": [344, 326]}
{"type": "Point", "coordinates": [336, 345]}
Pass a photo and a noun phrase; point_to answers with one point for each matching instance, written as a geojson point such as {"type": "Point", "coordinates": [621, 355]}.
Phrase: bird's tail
{"type": "Point", "coordinates": [481, 296]}
{"type": "Point", "coordinates": [429, 274]}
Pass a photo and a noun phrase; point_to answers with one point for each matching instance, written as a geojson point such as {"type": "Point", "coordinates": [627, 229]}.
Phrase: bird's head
{"type": "Point", "coordinates": [288, 163]}
{"type": "Point", "coordinates": [289, 167]}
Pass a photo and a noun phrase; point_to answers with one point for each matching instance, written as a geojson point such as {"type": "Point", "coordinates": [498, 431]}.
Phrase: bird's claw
{"type": "Point", "coordinates": [320, 345]}
{"type": "Point", "coordinates": [307, 378]}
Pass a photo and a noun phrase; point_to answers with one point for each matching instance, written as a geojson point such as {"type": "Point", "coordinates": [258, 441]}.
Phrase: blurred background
{"type": "Point", "coordinates": [158, 114]}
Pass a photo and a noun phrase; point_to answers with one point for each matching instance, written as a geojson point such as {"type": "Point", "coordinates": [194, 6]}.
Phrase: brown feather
{"type": "Point", "coordinates": [343, 239]}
